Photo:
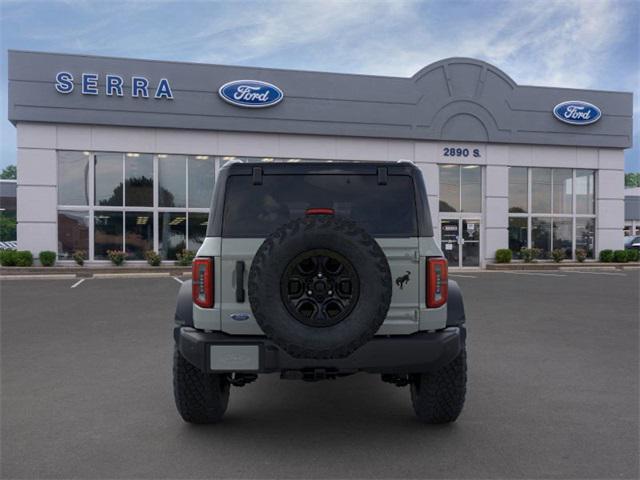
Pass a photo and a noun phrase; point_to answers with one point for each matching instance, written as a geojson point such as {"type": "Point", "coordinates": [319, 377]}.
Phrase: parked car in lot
{"type": "Point", "coordinates": [632, 241]}
{"type": "Point", "coordinates": [317, 271]}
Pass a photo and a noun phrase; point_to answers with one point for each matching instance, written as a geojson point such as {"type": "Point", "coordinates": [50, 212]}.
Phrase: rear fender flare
{"type": "Point", "coordinates": [455, 306]}
{"type": "Point", "coordinates": [184, 306]}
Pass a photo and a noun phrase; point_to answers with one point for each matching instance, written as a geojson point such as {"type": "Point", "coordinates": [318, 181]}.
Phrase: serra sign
{"type": "Point", "coordinates": [113, 85]}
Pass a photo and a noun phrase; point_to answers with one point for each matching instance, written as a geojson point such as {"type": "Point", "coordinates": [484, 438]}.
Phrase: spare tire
{"type": "Point", "coordinates": [320, 287]}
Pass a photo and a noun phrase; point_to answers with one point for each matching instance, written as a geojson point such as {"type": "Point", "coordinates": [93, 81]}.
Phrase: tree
{"type": "Point", "coordinates": [632, 179]}
{"type": "Point", "coordinates": [9, 172]}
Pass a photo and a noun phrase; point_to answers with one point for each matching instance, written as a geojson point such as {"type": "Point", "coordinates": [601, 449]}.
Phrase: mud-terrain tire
{"type": "Point", "coordinates": [200, 397]}
{"type": "Point", "coordinates": [438, 397]}
{"type": "Point", "coordinates": [367, 268]}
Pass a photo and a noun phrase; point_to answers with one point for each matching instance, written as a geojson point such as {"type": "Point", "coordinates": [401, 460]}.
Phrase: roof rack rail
{"type": "Point", "coordinates": [406, 160]}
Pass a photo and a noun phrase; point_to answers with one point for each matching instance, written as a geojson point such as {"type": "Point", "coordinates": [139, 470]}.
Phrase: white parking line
{"type": "Point", "coordinates": [178, 280]}
{"type": "Point", "coordinates": [463, 276]}
{"type": "Point", "coordinates": [598, 273]}
{"type": "Point", "coordinates": [538, 274]}
{"type": "Point", "coordinates": [78, 283]}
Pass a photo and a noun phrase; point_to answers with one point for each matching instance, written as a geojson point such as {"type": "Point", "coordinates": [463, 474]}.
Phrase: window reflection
{"type": "Point", "coordinates": [541, 235]}
{"type": "Point", "coordinates": [138, 234]}
{"type": "Point", "coordinates": [201, 179]}
{"type": "Point", "coordinates": [73, 232]}
{"type": "Point", "coordinates": [585, 191]}
{"type": "Point", "coordinates": [471, 181]}
{"type": "Point", "coordinates": [562, 235]}
{"type": "Point", "coordinates": [518, 190]}
{"type": "Point", "coordinates": [517, 235]}
{"type": "Point", "coordinates": [449, 188]}
{"type": "Point", "coordinates": [107, 233]}
{"type": "Point", "coordinates": [562, 190]}
{"type": "Point", "coordinates": [585, 235]}
{"type": "Point", "coordinates": [541, 190]}
{"type": "Point", "coordinates": [172, 232]}
{"type": "Point", "coordinates": [108, 179]}
{"type": "Point", "coordinates": [138, 169]}
{"type": "Point", "coordinates": [197, 229]}
{"type": "Point", "coordinates": [172, 173]}
{"type": "Point", "coordinates": [73, 178]}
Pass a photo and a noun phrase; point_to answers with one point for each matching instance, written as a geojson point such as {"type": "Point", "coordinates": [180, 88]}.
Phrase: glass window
{"type": "Point", "coordinates": [138, 172]}
{"type": "Point", "coordinates": [449, 188]}
{"type": "Point", "coordinates": [73, 178]}
{"type": "Point", "coordinates": [541, 190]}
{"type": "Point", "coordinates": [541, 235]}
{"type": "Point", "coordinates": [172, 231]}
{"type": "Point", "coordinates": [172, 189]}
{"type": "Point", "coordinates": [562, 190]}
{"type": "Point", "coordinates": [562, 235]}
{"type": "Point", "coordinates": [107, 232]}
{"type": "Point", "coordinates": [73, 233]}
{"type": "Point", "coordinates": [517, 235]}
{"type": "Point", "coordinates": [257, 210]}
{"type": "Point", "coordinates": [197, 229]}
{"type": "Point", "coordinates": [585, 235]}
{"type": "Point", "coordinates": [471, 182]}
{"type": "Point", "coordinates": [585, 192]}
{"type": "Point", "coordinates": [138, 234]}
{"type": "Point", "coordinates": [201, 179]}
{"type": "Point", "coordinates": [108, 179]}
{"type": "Point", "coordinates": [518, 190]}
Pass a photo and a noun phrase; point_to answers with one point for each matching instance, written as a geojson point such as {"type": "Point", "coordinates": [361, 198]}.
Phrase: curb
{"type": "Point", "coordinates": [562, 266]}
{"type": "Point", "coordinates": [85, 274]}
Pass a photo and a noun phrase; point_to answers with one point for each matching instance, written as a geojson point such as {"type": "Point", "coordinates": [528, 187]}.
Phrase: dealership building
{"type": "Point", "coordinates": [117, 153]}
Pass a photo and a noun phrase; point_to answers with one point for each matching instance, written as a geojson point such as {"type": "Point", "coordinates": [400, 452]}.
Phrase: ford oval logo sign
{"type": "Point", "coordinates": [577, 112]}
{"type": "Point", "coordinates": [251, 93]}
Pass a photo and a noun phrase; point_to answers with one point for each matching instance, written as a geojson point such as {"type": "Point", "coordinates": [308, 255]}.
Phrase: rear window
{"type": "Point", "coordinates": [257, 210]}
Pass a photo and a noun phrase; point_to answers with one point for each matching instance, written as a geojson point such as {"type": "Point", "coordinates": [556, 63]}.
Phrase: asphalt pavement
{"type": "Point", "coordinates": [552, 392]}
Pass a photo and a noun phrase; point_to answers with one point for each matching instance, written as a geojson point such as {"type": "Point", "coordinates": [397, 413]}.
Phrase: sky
{"type": "Point", "coordinates": [565, 43]}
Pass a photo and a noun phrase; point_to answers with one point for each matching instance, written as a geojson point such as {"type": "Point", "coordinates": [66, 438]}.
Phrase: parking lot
{"type": "Point", "coordinates": [552, 393]}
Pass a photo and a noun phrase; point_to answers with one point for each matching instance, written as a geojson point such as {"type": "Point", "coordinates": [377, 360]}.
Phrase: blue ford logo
{"type": "Point", "coordinates": [250, 93]}
{"type": "Point", "coordinates": [240, 317]}
{"type": "Point", "coordinates": [577, 112]}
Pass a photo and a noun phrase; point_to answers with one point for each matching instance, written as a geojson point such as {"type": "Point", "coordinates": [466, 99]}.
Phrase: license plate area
{"type": "Point", "coordinates": [234, 358]}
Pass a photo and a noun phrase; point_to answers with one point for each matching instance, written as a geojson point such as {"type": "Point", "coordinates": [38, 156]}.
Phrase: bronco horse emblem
{"type": "Point", "coordinates": [401, 281]}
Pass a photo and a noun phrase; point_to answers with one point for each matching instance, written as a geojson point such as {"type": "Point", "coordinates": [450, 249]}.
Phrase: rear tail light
{"type": "Point", "coordinates": [202, 282]}
{"type": "Point", "coordinates": [319, 211]}
{"type": "Point", "coordinates": [437, 282]}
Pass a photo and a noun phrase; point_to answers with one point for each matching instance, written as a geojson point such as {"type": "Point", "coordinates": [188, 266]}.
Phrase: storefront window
{"type": "Point", "coordinates": [73, 178]}
{"type": "Point", "coordinates": [172, 173]}
{"type": "Point", "coordinates": [541, 190]}
{"type": "Point", "coordinates": [541, 235]}
{"type": "Point", "coordinates": [201, 180]}
{"type": "Point", "coordinates": [449, 188]}
{"type": "Point", "coordinates": [108, 179]}
{"type": "Point", "coordinates": [518, 190]}
{"type": "Point", "coordinates": [138, 234]}
{"type": "Point", "coordinates": [73, 232]}
{"type": "Point", "coordinates": [107, 233]}
{"type": "Point", "coordinates": [197, 229]}
{"type": "Point", "coordinates": [562, 190]}
{"type": "Point", "coordinates": [517, 235]}
{"type": "Point", "coordinates": [585, 235]}
{"type": "Point", "coordinates": [138, 172]}
{"type": "Point", "coordinates": [471, 192]}
{"type": "Point", "coordinates": [172, 228]}
{"type": "Point", "coordinates": [585, 192]}
{"type": "Point", "coordinates": [562, 235]}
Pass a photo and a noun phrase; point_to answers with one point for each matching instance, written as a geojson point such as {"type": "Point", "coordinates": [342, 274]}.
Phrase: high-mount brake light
{"type": "Point", "coordinates": [202, 282]}
{"type": "Point", "coordinates": [437, 282]}
{"type": "Point", "coordinates": [319, 211]}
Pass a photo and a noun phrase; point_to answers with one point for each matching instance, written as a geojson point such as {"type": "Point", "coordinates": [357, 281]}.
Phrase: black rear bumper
{"type": "Point", "coordinates": [398, 354]}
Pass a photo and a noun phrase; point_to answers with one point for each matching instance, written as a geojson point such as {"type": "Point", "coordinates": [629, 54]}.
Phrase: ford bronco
{"type": "Point", "coordinates": [318, 271]}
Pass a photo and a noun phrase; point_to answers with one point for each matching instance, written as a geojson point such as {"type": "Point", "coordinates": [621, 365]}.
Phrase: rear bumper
{"type": "Point", "coordinates": [399, 354]}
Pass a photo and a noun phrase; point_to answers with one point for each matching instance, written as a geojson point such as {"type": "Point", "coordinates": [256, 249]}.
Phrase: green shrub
{"type": "Point", "coordinates": [620, 256]}
{"type": "Point", "coordinates": [558, 255]}
{"type": "Point", "coordinates": [503, 255]}
{"type": "Point", "coordinates": [8, 258]}
{"type": "Point", "coordinates": [185, 257]}
{"type": "Point", "coordinates": [581, 254]}
{"type": "Point", "coordinates": [153, 258]}
{"type": "Point", "coordinates": [117, 257]}
{"type": "Point", "coordinates": [526, 254]}
{"type": "Point", "coordinates": [47, 258]}
{"type": "Point", "coordinates": [606, 255]}
{"type": "Point", "coordinates": [24, 258]}
{"type": "Point", "coordinates": [633, 255]}
{"type": "Point", "coordinates": [79, 256]}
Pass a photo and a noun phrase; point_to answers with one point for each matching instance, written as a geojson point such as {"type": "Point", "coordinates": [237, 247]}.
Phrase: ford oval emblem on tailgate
{"type": "Point", "coordinates": [240, 316]}
{"type": "Point", "coordinates": [250, 93]}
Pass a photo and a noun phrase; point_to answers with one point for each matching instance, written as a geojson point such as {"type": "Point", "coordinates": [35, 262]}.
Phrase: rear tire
{"type": "Point", "coordinates": [438, 397]}
{"type": "Point", "coordinates": [200, 397]}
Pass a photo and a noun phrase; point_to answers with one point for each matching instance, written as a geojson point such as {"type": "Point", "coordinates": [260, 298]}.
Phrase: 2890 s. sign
{"type": "Point", "coordinates": [250, 93]}
{"type": "Point", "coordinates": [577, 112]}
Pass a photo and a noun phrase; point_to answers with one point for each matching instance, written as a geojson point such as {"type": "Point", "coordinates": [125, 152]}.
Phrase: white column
{"type": "Point", "coordinates": [610, 200]}
{"type": "Point", "coordinates": [496, 210]}
{"type": "Point", "coordinates": [37, 188]}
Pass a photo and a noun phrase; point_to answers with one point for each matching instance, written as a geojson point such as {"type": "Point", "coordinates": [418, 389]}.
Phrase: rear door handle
{"type": "Point", "coordinates": [240, 281]}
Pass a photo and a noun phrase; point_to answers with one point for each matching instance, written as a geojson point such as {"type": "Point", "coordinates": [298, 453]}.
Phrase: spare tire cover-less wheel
{"type": "Point", "coordinates": [320, 287]}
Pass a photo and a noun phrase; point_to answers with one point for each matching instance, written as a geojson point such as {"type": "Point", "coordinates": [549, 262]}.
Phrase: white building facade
{"type": "Point", "coordinates": [111, 170]}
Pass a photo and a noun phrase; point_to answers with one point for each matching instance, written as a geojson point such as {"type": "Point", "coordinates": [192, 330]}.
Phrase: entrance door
{"type": "Point", "coordinates": [460, 241]}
